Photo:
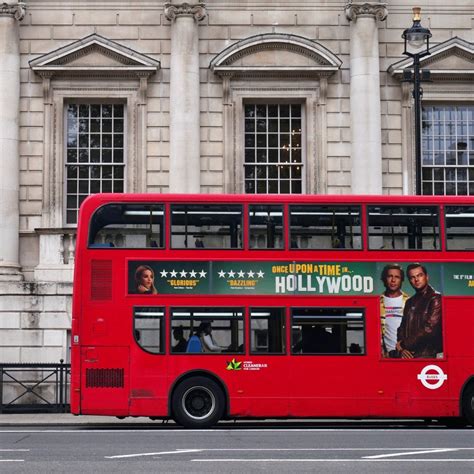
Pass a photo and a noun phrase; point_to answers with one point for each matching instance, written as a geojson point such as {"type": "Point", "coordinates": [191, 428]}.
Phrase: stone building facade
{"type": "Point", "coordinates": [151, 97]}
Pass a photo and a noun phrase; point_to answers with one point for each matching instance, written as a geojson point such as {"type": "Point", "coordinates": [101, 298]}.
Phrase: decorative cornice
{"type": "Point", "coordinates": [323, 62]}
{"type": "Point", "coordinates": [15, 10]}
{"type": "Point", "coordinates": [195, 10]}
{"type": "Point", "coordinates": [374, 10]}
{"type": "Point", "coordinates": [454, 47]}
{"type": "Point", "coordinates": [65, 61]}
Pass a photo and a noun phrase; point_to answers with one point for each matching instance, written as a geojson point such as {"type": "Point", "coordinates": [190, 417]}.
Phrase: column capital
{"type": "Point", "coordinates": [14, 10]}
{"type": "Point", "coordinates": [195, 10]}
{"type": "Point", "coordinates": [374, 10]}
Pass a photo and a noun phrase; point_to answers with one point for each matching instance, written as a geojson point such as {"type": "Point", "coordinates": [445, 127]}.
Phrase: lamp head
{"type": "Point", "coordinates": [416, 38]}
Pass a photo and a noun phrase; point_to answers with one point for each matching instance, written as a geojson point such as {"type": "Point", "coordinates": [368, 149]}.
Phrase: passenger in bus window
{"type": "Point", "coordinates": [207, 340]}
{"type": "Point", "coordinates": [182, 343]}
{"type": "Point", "coordinates": [145, 280]}
{"type": "Point", "coordinates": [392, 302]}
{"type": "Point", "coordinates": [419, 334]}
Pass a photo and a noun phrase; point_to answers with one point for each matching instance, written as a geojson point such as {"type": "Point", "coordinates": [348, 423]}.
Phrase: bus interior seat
{"type": "Point", "coordinates": [194, 344]}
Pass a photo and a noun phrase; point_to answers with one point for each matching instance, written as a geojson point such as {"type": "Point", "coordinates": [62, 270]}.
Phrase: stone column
{"type": "Point", "coordinates": [185, 166]}
{"type": "Point", "coordinates": [10, 15]}
{"type": "Point", "coordinates": [366, 150]}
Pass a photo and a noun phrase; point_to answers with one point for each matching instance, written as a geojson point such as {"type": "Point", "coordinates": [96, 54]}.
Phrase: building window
{"type": "Point", "coordinates": [273, 155]}
{"type": "Point", "coordinates": [448, 150]}
{"type": "Point", "coordinates": [94, 153]}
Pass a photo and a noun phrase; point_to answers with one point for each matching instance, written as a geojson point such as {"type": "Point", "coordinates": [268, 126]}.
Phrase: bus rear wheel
{"type": "Point", "coordinates": [468, 405]}
{"type": "Point", "coordinates": [198, 402]}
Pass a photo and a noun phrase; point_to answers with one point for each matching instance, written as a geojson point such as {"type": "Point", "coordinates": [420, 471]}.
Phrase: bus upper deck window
{"type": "Point", "coordinates": [325, 227]}
{"type": "Point", "coordinates": [266, 226]}
{"type": "Point", "coordinates": [211, 226]}
{"type": "Point", "coordinates": [459, 227]}
{"type": "Point", "coordinates": [127, 226]}
{"type": "Point", "coordinates": [403, 227]}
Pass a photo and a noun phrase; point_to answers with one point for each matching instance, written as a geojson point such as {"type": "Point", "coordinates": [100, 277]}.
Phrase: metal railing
{"type": "Point", "coordinates": [36, 387]}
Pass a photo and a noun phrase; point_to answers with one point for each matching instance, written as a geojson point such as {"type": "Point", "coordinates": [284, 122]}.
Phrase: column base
{"type": "Point", "coordinates": [10, 272]}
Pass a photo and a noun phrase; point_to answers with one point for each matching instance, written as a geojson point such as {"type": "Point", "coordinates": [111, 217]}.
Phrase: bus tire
{"type": "Point", "coordinates": [468, 404]}
{"type": "Point", "coordinates": [198, 402]}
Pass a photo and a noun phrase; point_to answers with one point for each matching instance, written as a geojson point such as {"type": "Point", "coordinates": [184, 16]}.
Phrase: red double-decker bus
{"type": "Point", "coordinates": [207, 307]}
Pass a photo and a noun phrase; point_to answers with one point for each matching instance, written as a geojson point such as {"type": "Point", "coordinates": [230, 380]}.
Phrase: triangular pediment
{"type": "Point", "coordinates": [451, 60]}
{"type": "Point", "coordinates": [274, 55]}
{"type": "Point", "coordinates": [94, 55]}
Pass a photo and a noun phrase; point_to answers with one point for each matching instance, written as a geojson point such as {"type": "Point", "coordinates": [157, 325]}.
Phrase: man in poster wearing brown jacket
{"type": "Point", "coordinates": [419, 334]}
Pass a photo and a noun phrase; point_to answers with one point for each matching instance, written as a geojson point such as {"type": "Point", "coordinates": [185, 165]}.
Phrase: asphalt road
{"type": "Point", "coordinates": [355, 447]}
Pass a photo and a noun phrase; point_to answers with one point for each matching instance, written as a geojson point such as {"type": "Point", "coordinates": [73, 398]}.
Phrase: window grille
{"type": "Point", "coordinates": [94, 153]}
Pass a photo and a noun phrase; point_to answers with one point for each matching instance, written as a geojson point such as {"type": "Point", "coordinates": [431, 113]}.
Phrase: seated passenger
{"type": "Point", "coordinates": [205, 334]}
{"type": "Point", "coordinates": [178, 335]}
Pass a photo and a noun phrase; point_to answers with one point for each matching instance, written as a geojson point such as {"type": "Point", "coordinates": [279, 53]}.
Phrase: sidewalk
{"type": "Point", "coordinates": [62, 419]}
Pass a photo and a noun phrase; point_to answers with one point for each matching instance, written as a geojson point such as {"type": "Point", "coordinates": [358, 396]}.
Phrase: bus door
{"type": "Point", "coordinates": [105, 380]}
{"type": "Point", "coordinates": [263, 375]}
{"type": "Point", "coordinates": [330, 367]}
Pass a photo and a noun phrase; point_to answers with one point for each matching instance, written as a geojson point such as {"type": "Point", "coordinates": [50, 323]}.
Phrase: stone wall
{"type": "Point", "coordinates": [35, 315]}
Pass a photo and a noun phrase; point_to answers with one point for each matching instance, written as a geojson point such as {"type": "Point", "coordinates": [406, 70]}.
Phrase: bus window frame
{"type": "Point", "coordinates": [169, 236]}
{"type": "Point", "coordinates": [193, 308]}
{"type": "Point", "coordinates": [247, 227]}
{"type": "Point", "coordinates": [284, 310]}
{"type": "Point", "coordinates": [358, 205]}
{"type": "Point", "coordinates": [439, 235]}
{"type": "Point", "coordinates": [92, 246]}
{"type": "Point", "coordinates": [363, 310]}
{"type": "Point", "coordinates": [445, 212]}
{"type": "Point", "coordinates": [162, 329]}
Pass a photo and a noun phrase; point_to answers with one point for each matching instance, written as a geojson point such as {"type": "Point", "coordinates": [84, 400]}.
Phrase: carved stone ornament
{"type": "Point", "coordinates": [16, 10]}
{"type": "Point", "coordinates": [196, 10]}
{"type": "Point", "coordinates": [375, 10]}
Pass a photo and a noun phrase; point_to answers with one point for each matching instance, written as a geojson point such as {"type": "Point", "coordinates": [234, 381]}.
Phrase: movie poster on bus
{"type": "Point", "coordinates": [177, 277]}
{"type": "Point", "coordinates": [458, 279]}
{"type": "Point", "coordinates": [289, 278]}
{"type": "Point", "coordinates": [286, 278]}
{"type": "Point", "coordinates": [411, 319]}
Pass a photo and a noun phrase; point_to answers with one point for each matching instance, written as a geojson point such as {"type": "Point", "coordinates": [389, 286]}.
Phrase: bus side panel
{"type": "Point", "coordinates": [148, 383]}
{"type": "Point", "coordinates": [459, 337]}
{"type": "Point", "coordinates": [105, 380]}
{"type": "Point", "coordinates": [261, 387]}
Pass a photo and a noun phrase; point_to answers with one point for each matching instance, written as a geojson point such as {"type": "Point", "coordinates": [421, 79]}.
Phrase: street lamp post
{"type": "Point", "coordinates": [417, 45]}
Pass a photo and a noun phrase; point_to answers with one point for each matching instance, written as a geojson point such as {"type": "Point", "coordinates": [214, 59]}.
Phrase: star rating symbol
{"type": "Point", "coordinates": [202, 274]}
{"type": "Point", "coordinates": [231, 274]}
{"type": "Point", "coordinates": [173, 273]}
{"type": "Point", "coordinates": [251, 274]}
{"type": "Point", "coordinates": [241, 274]}
{"type": "Point", "coordinates": [164, 273]}
{"type": "Point", "coordinates": [192, 274]}
{"type": "Point", "coordinates": [260, 274]}
{"type": "Point", "coordinates": [221, 274]}
{"type": "Point", "coordinates": [183, 274]}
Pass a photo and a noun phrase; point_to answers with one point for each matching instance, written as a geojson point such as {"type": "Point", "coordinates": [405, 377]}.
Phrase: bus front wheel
{"type": "Point", "coordinates": [198, 402]}
{"type": "Point", "coordinates": [468, 405]}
